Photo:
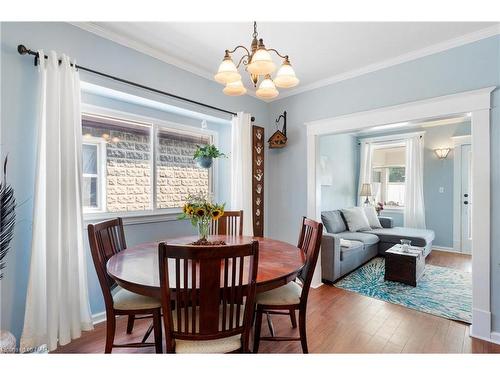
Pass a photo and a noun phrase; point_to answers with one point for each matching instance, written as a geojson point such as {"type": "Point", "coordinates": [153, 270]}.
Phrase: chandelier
{"type": "Point", "coordinates": [258, 63]}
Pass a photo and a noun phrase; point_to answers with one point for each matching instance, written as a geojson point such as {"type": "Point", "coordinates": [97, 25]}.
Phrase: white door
{"type": "Point", "coordinates": [466, 200]}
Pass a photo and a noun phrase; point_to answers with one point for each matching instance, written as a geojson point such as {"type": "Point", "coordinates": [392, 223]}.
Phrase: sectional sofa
{"type": "Point", "coordinates": [337, 260]}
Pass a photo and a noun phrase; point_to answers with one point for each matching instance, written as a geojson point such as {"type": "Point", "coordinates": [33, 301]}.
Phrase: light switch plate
{"type": "Point", "coordinates": [441, 189]}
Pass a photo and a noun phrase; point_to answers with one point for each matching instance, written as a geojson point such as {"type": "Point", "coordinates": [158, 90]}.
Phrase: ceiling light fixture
{"type": "Point", "coordinates": [258, 62]}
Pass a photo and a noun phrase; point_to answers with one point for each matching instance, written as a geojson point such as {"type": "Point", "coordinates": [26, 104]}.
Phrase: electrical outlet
{"type": "Point", "coordinates": [441, 189]}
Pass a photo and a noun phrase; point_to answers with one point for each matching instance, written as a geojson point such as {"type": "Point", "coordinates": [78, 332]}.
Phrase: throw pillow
{"type": "Point", "coordinates": [356, 219]}
{"type": "Point", "coordinates": [371, 215]}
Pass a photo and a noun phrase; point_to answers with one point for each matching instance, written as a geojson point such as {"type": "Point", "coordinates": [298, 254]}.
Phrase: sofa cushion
{"type": "Point", "coordinates": [371, 215]}
{"type": "Point", "coordinates": [356, 219]}
{"type": "Point", "coordinates": [364, 237]}
{"type": "Point", "coordinates": [348, 252]}
{"type": "Point", "coordinates": [418, 237]}
{"type": "Point", "coordinates": [333, 221]}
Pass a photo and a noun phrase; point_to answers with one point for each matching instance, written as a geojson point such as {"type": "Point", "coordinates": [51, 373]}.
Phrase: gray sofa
{"type": "Point", "coordinates": [337, 261]}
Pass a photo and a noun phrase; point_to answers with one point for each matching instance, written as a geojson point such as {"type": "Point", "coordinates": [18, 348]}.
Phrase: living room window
{"type": "Point", "coordinates": [388, 175]}
{"type": "Point", "coordinates": [139, 167]}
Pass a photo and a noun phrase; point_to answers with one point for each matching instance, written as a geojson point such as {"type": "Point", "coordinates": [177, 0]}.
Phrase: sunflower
{"type": "Point", "coordinates": [216, 214]}
{"type": "Point", "coordinates": [200, 212]}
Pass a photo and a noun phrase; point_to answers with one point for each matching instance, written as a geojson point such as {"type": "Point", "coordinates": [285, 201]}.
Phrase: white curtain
{"type": "Point", "coordinates": [57, 305]}
{"type": "Point", "coordinates": [414, 211]}
{"type": "Point", "coordinates": [241, 169]}
{"type": "Point", "coordinates": [365, 168]}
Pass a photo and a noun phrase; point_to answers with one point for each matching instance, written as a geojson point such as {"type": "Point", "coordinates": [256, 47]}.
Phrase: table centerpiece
{"type": "Point", "coordinates": [200, 210]}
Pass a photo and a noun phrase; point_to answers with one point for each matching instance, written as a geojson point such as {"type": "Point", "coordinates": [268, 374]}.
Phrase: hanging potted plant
{"type": "Point", "coordinates": [205, 155]}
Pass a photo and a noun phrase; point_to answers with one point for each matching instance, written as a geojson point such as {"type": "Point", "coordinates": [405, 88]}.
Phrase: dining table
{"type": "Point", "coordinates": [136, 268]}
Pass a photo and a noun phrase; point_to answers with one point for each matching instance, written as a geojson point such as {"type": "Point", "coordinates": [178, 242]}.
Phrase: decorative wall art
{"type": "Point", "coordinates": [258, 180]}
{"type": "Point", "coordinates": [279, 139]}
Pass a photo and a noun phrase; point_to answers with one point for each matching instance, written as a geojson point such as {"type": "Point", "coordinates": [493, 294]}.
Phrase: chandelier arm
{"type": "Point", "coordinates": [242, 61]}
{"type": "Point", "coordinates": [276, 52]}
{"type": "Point", "coordinates": [235, 48]}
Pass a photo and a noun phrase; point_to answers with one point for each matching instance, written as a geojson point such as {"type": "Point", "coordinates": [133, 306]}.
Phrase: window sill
{"type": "Point", "coordinates": [392, 210]}
{"type": "Point", "coordinates": [133, 218]}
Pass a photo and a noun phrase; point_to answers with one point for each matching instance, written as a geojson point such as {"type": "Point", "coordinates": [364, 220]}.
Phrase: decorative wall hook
{"type": "Point", "coordinates": [279, 139]}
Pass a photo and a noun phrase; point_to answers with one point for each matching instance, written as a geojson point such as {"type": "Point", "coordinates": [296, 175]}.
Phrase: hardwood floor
{"type": "Point", "coordinates": [339, 321]}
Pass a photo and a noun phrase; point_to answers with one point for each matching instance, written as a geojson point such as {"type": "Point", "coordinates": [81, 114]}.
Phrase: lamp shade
{"type": "Point", "coordinates": [235, 88]}
{"type": "Point", "coordinates": [261, 62]}
{"type": "Point", "coordinates": [267, 89]}
{"type": "Point", "coordinates": [442, 153]}
{"type": "Point", "coordinates": [227, 71]}
{"type": "Point", "coordinates": [286, 76]}
{"type": "Point", "coordinates": [366, 190]}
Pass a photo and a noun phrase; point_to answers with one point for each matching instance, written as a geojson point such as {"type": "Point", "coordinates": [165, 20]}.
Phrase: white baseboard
{"type": "Point", "coordinates": [481, 324]}
{"type": "Point", "coordinates": [99, 317]}
{"type": "Point", "coordinates": [495, 337]}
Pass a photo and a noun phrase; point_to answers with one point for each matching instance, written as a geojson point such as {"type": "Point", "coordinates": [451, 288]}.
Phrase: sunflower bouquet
{"type": "Point", "coordinates": [201, 211]}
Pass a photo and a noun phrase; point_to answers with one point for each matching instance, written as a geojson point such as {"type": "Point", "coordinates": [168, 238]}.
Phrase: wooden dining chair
{"type": "Point", "coordinates": [230, 224]}
{"type": "Point", "coordinates": [106, 239]}
{"type": "Point", "coordinates": [292, 296]}
{"type": "Point", "coordinates": [214, 292]}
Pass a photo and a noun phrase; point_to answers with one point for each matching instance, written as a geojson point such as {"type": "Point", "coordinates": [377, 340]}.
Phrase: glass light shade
{"type": "Point", "coordinates": [286, 76]}
{"type": "Point", "coordinates": [442, 153]}
{"type": "Point", "coordinates": [267, 89]}
{"type": "Point", "coordinates": [235, 88]}
{"type": "Point", "coordinates": [227, 72]}
{"type": "Point", "coordinates": [261, 63]}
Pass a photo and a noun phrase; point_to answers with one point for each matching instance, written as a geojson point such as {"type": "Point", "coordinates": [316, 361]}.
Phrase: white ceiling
{"type": "Point", "coordinates": [321, 52]}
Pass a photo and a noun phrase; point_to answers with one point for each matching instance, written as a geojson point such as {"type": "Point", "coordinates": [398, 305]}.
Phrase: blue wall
{"type": "Point", "coordinates": [437, 173]}
{"type": "Point", "coordinates": [341, 151]}
{"type": "Point", "coordinates": [18, 133]}
{"type": "Point", "coordinates": [464, 68]}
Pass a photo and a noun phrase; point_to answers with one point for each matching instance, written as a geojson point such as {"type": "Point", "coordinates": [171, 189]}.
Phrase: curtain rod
{"type": "Point", "coordinates": [25, 51]}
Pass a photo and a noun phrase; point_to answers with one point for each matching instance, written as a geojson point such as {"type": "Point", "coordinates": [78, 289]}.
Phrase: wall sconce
{"type": "Point", "coordinates": [442, 153]}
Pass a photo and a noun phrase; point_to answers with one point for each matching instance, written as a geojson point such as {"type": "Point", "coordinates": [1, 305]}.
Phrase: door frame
{"type": "Point", "coordinates": [477, 103]}
{"type": "Point", "coordinates": [458, 142]}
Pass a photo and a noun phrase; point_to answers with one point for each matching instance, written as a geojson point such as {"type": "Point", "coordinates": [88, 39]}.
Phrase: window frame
{"type": "Point", "coordinates": [101, 172]}
{"type": "Point", "coordinates": [153, 214]}
{"type": "Point", "coordinates": [384, 177]}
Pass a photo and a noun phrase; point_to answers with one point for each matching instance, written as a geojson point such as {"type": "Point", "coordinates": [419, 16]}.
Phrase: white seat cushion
{"type": "Point", "coordinates": [124, 299]}
{"type": "Point", "coordinates": [224, 345]}
{"type": "Point", "coordinates": [288, 294]}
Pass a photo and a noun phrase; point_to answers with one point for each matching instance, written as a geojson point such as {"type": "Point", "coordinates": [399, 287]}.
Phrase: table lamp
{"type": "Point", "coordinates": [366, 191]}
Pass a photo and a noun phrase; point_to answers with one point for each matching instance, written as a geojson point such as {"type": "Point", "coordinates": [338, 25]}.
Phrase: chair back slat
{"type": "Point", "coordinates": [229, 224]}
{"type": "Point", "coordinates": [106, 239]}
{"type": "Point", "coordinates": [213, 298]}
{"type": "Point", "coordinates": [309, 242]}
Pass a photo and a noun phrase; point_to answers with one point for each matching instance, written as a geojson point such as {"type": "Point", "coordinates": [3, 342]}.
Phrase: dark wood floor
{"type": "Point", "coordinates": [340, 321]}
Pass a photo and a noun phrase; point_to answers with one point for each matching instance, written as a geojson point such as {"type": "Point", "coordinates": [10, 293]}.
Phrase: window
{"type": "Point", "coordinates": [131, 166]}
{"type": "Point", "coordinates": [388, 176]}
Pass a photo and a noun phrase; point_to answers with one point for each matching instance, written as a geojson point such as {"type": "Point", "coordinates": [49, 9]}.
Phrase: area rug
{"type": "Point", "coordinates": [441, 291]}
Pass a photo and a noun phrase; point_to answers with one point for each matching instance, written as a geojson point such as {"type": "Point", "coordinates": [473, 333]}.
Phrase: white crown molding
{"type": "Point", "coordinates": [436, 48]}
{"type": "Point", "coordinates": [148, 50]}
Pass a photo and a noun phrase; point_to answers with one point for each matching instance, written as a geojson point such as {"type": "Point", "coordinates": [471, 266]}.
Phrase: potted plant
{"type": "Point", "coordinates": [204, 155]}
{"type": "Point", "coordinates": [379, 207]}
{"type": "Point", "coordinates": [201, 211]}
{"type": "Point", "coordinates": [7, 221]}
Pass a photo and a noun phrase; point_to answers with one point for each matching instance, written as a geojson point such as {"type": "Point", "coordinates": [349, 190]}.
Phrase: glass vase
{"type": "Point", "coordinates": [203, 228]}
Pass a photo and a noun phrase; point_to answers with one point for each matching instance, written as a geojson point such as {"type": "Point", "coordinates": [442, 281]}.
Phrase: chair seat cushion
{"type": "Point", "coordinates": [124, 299]}
{"type": "Point", "coordinates": [288, 294]}
{"type": "Point", "coordinates": [224, 345]}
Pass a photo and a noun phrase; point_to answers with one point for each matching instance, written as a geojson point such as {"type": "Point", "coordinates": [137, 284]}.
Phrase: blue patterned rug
{"type": "Point", "coordinates": [440, 291]}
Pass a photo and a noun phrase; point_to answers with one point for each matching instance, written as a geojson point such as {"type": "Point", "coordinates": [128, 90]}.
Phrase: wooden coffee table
{"type": "Point", "coordinates": [404, 267]}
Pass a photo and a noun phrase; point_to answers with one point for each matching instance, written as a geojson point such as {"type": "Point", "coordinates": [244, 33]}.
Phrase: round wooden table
{"type": "Point", "coordinates": [136, 268]}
